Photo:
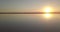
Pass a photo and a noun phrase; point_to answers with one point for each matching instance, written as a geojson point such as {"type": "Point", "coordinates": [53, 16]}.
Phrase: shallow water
{"type": "Point", "coordinates": [29, 22]}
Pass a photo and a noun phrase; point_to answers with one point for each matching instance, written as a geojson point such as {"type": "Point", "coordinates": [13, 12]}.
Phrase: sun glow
{"type": "Point", "coordinates": [48, 9]}
{"type": "Point", "coordinates": [47, 14]}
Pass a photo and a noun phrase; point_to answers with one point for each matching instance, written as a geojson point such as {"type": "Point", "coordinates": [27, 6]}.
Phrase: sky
{"type": "Point", "coordinates": [27, 5]}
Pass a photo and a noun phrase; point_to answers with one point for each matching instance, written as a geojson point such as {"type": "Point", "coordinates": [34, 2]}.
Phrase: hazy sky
{"type": "Point", "coordinates": [27, 5]}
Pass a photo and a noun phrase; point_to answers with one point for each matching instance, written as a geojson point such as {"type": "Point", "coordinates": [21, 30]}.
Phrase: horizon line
{"type": "Point", "coordinates": [29, 12]}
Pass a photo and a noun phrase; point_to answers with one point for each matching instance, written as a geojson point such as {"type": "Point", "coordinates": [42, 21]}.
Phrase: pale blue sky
{"type": "Point", "coordinates": [25, 5]}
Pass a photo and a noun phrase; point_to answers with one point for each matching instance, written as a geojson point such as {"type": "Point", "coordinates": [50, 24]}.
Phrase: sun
{"type": "Point", "coordinates": [47, 9]}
